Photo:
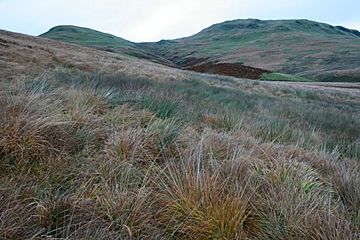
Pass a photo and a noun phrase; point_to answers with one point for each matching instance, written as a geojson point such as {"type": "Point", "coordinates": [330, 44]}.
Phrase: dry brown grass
{"type": "Point", "coordinates": [132, 145]}
{"type": "Point", "coordinates": [16, 217]}
{"type": "Point", "coordinates": [204, 201]}
{"type": "Point", "coordinates": [95, 170]}
{"type": "Point", "coordinates": [31, 126]}
{"type": "Point", "coordinates": [25, 55]}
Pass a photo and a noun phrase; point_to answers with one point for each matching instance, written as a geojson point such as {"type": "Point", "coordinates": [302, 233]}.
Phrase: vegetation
{"type": "Point", "coordinates": [99, 40]}
{"type": "Point", "coordinates": [289, 47]}
{"type": "Point", "coordinates": [115, 156]}
{"type": "Point", "coordinates": [286, 46]}
{"type": "Point", "coordinates": [283, 77]}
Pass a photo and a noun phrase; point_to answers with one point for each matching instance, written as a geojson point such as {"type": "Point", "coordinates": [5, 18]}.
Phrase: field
{"type": "Point", "coordinates": [95, 145]}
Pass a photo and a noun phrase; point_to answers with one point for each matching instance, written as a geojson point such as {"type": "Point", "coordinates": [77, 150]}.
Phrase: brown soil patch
{"type": "Point", "coordinates": [230, 69]}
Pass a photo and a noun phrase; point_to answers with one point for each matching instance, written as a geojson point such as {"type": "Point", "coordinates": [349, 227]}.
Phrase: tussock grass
{"type": "Point", "coordinates": [295, 193]}
{"type": "Point", "coordinates": [131, 145]}
{"type": "Point", "coordinates": [17, 221]}
{"type": "Point", "coordinates": [81, 159]}
{"type": "Point", "coordinates": [31, 126]}
{"type": "Point", "coordinates": [202, 204]}
{"type": "Point", "coordinates": [225, 121]}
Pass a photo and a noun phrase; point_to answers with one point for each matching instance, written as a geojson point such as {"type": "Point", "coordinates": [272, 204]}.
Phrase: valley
{"type": "Point", "coordinates": [247, 130]}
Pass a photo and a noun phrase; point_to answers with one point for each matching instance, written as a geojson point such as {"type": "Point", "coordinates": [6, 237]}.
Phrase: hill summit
{"type": "Point", "coordinates": [304, 48]}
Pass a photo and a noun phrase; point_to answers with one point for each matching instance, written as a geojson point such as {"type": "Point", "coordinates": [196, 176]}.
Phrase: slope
{"type": "Point", "coordinates": [119, 154]}
{"type": "Point", "coordinates": [303, 47]}
{"type": "Point", "coordinates": [23, 56]}
{"type": "Point", "coordinates": [102, 41]}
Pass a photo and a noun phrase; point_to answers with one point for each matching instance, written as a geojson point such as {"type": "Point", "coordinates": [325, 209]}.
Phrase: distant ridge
{"type": "Point", "coordinates": [302, 47]}
{"type": "Point", "coordinates": [102, 41]}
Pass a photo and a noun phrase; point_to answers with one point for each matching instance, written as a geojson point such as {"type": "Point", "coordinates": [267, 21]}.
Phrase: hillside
{"type": "Point", "coordinates": [304, 48]}
{"type": "Point", "coordinates": [102, 41]}
{"type": "Point", "coordinates": [100, 145]}
{"type": "Point", "coordinates": [23, 55]}
{"type": "Point", "coordinates": [315, 50]}
{"type": "Point", "coordinates": [106, 42]}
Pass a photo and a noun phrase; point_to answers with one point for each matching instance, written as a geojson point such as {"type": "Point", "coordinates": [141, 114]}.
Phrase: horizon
{"type": "Point", "coordinates": [150, 21]}
{"type": "Point", "coordinates": [86, 27]}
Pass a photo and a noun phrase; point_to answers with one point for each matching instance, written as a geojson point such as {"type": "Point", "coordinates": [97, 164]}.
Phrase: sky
{"type": "Point", "coordinates": [153, 20]}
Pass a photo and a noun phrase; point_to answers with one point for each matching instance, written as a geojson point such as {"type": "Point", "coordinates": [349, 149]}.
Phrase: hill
{"type": "Point", "coordinates": [303, 48]}
{"type": "Point", "coordinates": [307, 48]}
{"type": "Point", "coordinates": [23, 55]}
{"type": "Point", "coordinates": [102, 41]}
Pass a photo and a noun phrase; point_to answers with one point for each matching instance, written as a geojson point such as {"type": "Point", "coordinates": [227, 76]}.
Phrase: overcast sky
{"type": "Point", "coordinates": [152, 20]}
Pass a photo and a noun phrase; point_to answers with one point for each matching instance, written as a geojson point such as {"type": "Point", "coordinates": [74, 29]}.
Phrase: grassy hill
{"type": "Point", "coordinates": [102, 41]}
{"type": "Point", "coordinates": [308, 49]}
{"type": "Point", "coordinates": [100, 145]}
{"type": "Point", "coordinates": [315, 50]}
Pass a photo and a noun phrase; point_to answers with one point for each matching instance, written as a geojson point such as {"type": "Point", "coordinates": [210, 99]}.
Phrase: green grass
{"type": "Point", "coordinates": [283, 77]}
{"type": "Point", "coordinates": [87, 37]}
{"type": "Point", "coordinates": [99, 40]}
